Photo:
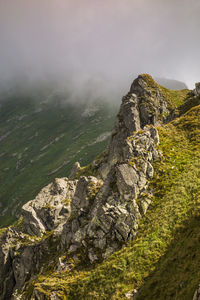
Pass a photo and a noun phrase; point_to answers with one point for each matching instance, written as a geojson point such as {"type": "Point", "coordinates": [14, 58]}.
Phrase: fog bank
{"type": "Point", "coordinates": [98, 45]}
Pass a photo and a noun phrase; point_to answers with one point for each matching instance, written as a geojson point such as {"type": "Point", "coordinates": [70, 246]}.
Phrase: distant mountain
{"type": "Point", "coordinates": [171, 84]}
{"type": "Point", "coordinates": [41, 136]}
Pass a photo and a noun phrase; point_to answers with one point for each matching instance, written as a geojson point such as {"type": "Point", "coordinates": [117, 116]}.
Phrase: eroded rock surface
{"type": "Point", "coordinates": [93, 214]}
{"type": "Point", "coordinates": [144, 105]}
{"type": "Point", "coordinates": [50, 209]}
{"type": "Point", "coordinates": [107, 215]}
{"type": "Point", "coordinates": [24, 247]}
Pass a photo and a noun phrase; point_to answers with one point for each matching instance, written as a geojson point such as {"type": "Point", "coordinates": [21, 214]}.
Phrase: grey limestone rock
{"type": "Point", "coordinates": [21, 257]}
{"type": "Point", "coordinates": [50, 209]}
{"type": "Point", "coordinates": [143, 105]}
{"type": "Point", "coordinates": [127, 180]}
{"type": "Point", "coordinates": [112, 216]}
{"type": "Point", "coordinates": [95, 215]}
{"type": "Point", "coordinates": [24, 247]}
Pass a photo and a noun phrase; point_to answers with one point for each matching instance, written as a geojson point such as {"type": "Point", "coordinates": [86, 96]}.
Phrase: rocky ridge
{"type": "Point", "coordinates": [94, 215]}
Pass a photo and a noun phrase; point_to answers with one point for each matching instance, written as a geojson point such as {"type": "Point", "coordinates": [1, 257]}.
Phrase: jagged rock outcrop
{"type": "Point", "coordinates": [50, 209]}
{"type": "Point", "coordinates": [144, 105]}
{"type": "Point", "coordinates": [106, 213]}
{"type": "Point", "coordinates": [24, 247]}
{"type": "Point", "coordinates": [93, 214]}
{"type": "Point", "coordinates": [20, 257]}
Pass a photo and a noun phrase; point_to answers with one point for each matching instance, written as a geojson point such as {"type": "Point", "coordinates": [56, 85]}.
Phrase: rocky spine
{"type": "Point", "coordinates": [95, 215]}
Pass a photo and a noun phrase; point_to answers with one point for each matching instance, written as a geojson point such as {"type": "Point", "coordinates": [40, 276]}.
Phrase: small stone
{"type": "Point", "coordinates": [73, 248]}
{"type": "Point", "coordinates": [92, 256]}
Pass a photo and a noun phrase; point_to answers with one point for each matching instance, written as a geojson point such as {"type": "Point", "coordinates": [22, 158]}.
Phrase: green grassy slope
{"type": "Point", "coordinates": [40, 140]}
{"type": "Point", "coordinates": [163, 261]}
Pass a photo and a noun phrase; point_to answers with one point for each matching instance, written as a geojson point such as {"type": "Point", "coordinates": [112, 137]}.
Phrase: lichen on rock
{"type": "Point", "coordinates": [91, 214]}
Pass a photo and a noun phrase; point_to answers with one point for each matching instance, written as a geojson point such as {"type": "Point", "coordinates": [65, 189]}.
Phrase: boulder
{"type": "Point", "coordinates": [50, 209]}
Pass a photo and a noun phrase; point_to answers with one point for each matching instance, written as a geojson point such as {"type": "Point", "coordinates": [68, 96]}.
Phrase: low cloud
{"type": "Point", "coordinates": [100, 46]}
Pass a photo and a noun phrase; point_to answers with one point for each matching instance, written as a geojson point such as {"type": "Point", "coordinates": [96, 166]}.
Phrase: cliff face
{"type": "Point", "coordinates": [75, 223]}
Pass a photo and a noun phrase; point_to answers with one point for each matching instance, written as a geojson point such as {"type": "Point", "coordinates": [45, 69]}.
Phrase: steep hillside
{"type": "Point", "coordinates": [43, 130]}
{"type": "Point", "coordinates": [41, 136]}
{"type": "Point", "coordinates": [162, 262]}
{"type": "Point", "coordinates": [127, 225]}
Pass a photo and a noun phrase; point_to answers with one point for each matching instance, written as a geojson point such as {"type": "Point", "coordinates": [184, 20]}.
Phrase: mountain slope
{"type": "Point", "coordinates": [42, 130]}
{"type": "Point", "coordinates": [162, 262]}
{"type": "Point", "coordinates": [41, 137]}
{"type": "Point", "coordinates": [127, 225]}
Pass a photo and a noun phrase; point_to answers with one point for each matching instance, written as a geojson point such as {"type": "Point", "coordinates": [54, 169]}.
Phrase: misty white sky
{"type": "Point", "coordinates": [102, 42]}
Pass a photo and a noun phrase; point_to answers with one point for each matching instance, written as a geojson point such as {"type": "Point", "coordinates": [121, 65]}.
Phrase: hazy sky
{"type": "Point", "coordinates": [101, 42]}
